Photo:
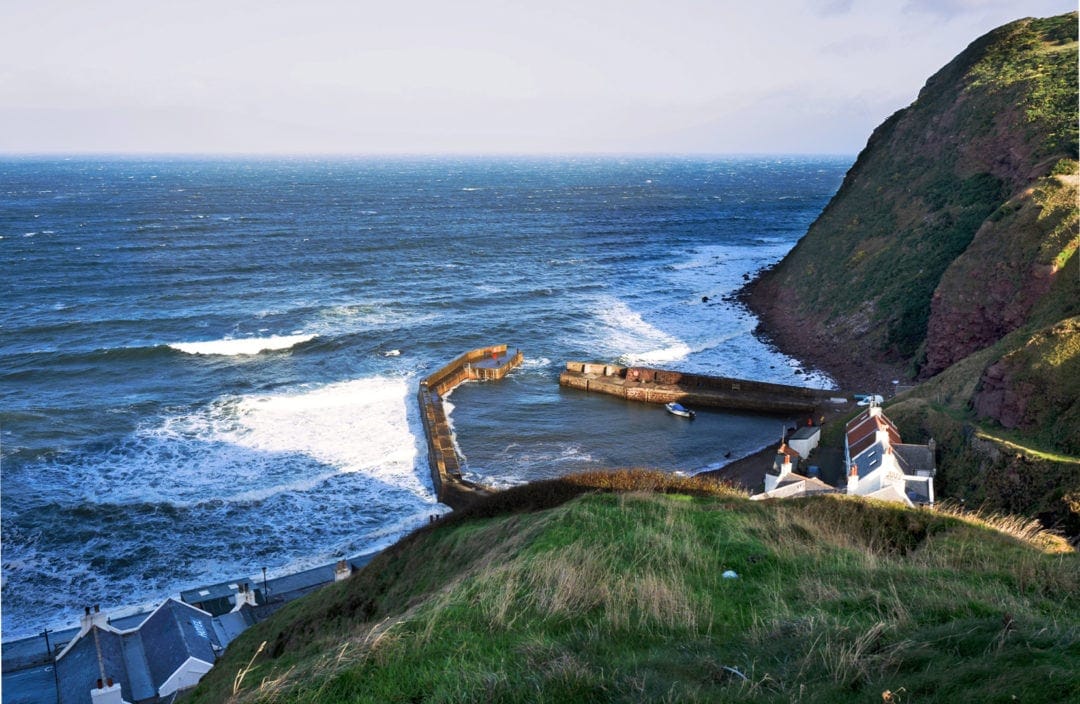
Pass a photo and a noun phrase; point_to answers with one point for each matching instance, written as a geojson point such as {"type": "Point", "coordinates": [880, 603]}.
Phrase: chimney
{"type": "Point", "coordinates": [785, 469]}
{"type": "Point", "coordinates": [853, 481]}
{"type": "Point", "coordinates": [89, 619]}
{"type": "Point", "coordinates": [106, 693]}
{"type": "Point", "coordinates": [245, 595]}
{"type": "Point", "coordinates": [342, 570]}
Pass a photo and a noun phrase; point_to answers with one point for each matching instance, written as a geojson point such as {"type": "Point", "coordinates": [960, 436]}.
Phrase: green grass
{"type": "Point", "coordinates": [1014, 441]}
{"type": "Point", "coordinates": [616, 595]}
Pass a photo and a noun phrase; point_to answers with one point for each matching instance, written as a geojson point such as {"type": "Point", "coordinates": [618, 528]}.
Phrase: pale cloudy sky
{"type": "Point", "coordinates": [472, 76]}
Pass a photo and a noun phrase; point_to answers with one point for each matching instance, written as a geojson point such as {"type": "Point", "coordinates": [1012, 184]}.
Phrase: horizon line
{"type": "Point", "coordinates": [412, 155]}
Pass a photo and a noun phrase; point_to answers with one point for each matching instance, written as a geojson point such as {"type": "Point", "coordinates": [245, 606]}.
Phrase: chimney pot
{"type": "Point", "coordinates": [86, 610]}
{"type": "Point", "coordinates": [100, 684]}
{"type": "Point", "coordinates": [109, 681]}
{"type": "Point", "coordinates": [97, 608]}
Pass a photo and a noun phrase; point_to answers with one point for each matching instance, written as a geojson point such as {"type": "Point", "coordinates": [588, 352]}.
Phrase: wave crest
{"type": "Point", "coordinates": [231, 347]}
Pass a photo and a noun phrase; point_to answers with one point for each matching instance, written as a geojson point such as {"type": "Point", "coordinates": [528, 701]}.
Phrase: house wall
{"type": "Point", "coordinates": [185, 677]}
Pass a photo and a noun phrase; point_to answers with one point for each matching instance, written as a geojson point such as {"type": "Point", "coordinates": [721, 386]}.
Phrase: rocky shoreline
{"type": "Point", "coordinates": [811, 342]}
{"type": "Point", "coordinates": [803, 340]}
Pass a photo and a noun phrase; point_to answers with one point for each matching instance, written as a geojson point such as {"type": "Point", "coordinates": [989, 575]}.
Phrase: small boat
{"type": "Point", "coordinates": [677, 409]}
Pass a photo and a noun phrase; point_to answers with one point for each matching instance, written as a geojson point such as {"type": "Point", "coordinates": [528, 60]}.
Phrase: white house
{"type": "Point", "coordinates": [805, 439]}
{"type": "Point", "coordinates": [880, 466]}
{"type": "Point", "coordinates": [783, 482]}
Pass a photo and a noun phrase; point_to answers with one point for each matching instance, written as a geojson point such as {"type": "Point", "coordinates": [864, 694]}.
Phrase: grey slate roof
{"type": "Point", "coordinates": [174, 633]}
{"type": "Point", "coordinates": [805, 432]}
{"type": "Point", "coordinates": [914, 458]}
{"type": "Point", "coordinates": [140, 660]}
{"type": "Point", "coordinates": [869, 459]}
{"type": "Point", "coordinates": [917, 491]}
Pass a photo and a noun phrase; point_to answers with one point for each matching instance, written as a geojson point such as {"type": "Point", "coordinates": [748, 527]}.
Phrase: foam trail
{"type": "Point", "coordinates": [243, 346]}
{"type": "Point", "coordinates": [628, 335]}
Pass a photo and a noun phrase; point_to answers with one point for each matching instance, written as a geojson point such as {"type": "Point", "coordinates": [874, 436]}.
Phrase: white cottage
{"type": "Point", "coordinates": [782, 482]}
{"type": "Point", "coordinates": [880, 466]}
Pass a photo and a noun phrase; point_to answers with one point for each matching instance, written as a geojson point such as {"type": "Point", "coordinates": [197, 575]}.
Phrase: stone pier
{"type": "Point", "coordinates": [649, 385]}
{"type": "Point", "coordinates": [486, 363]}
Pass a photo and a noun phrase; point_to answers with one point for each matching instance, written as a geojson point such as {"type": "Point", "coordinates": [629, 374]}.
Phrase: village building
{"type": "Point", "coordinates": [880, 466]}
{"type": "Point", "coordinates": [168, 652]}
{"type": "Point", "coordinates": [782, 482]}
{"type": "Point", "coordinates": [805, 439]}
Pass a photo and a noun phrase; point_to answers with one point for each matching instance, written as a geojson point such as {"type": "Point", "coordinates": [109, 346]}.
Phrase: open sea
{"type": "Point", "coordinates": [197, 368]}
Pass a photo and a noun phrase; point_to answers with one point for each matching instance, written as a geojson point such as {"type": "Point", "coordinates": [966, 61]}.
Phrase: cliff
{"type": "Point", "coordinates": [948, 255]}
{"type": "Point", "coordinates": [937, 243]}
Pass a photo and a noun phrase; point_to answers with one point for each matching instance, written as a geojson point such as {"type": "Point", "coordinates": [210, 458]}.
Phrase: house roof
{"type": "Point", "coordinates": [918, 489]}
{"type": "Point", "coordinates": [778, 458]}
{"type": "Point", "coordinates": [122, 659]}
{"type": "Point", "coordinates": [805, 432]}
{"type": "Point", "coordinates": [890, 492]}
{"type": "Point", "coordinates": [862, 430]}
{"type": "Point", "coordinates": [869, 459]}
{"type": "Point", "coordinates": [914, 458]}
{"type": "Point", "coordinates": [795, 485]}
{"type": "Point", "coordinates": [174, 632]}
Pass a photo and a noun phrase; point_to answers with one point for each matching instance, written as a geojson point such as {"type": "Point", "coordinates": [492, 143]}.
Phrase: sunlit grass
{"type": "Point", "coordinates": [1000, 437]}
{"type": "Point", "coordinates": [605, 595]}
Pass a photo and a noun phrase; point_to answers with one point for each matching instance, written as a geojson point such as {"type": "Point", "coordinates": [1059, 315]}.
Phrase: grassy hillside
{"type": "Point", "coordinates": [556, 592]}
{"type": "Point", "coordinates": [983, 130]}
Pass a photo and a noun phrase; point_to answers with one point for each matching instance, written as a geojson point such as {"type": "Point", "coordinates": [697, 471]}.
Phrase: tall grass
{"type": "Point", "coordinates": [619, 596]}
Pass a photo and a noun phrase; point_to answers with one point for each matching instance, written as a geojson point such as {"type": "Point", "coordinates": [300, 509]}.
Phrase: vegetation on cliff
{"type": "Point", "coordinates": [951, 249]}
{"type": "Point", "coordinates": [612, 588]}
{"type": "Point", "coordinates": [984, 129]}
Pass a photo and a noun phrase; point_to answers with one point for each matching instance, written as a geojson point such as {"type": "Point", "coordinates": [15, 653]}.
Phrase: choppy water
{"type": "Point", "coordinates": [193, 378]}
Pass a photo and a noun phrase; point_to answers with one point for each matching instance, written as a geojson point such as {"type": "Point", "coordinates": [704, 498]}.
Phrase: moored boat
{"type": "Point", "coordinates": [677, 409]}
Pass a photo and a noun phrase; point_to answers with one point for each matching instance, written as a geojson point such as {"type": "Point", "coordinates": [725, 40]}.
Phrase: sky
{"type": "Point", "coordinates": [472, 76]}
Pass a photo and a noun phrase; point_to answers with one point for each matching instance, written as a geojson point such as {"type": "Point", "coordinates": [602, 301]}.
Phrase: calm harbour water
{"type": "Point", "coordinates": [193, 373]}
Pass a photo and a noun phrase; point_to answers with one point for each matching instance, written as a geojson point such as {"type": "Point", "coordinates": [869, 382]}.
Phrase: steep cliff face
{"type": "Point", "coordinates": [950, 252]}
{"type": "Point", "coordinates": [993, 287]}
{"type": "Point", "coordinates": [944, 207]}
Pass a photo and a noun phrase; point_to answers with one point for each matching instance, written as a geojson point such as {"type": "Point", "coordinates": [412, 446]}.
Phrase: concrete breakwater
{"type": "Point", "coordinates": [485, 363]}
{"type": "Point", "coordinates": [649, 385]}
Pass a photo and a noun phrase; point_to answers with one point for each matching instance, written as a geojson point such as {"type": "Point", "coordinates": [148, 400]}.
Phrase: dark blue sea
{"type": "Point", "coordinates": [208, 367]}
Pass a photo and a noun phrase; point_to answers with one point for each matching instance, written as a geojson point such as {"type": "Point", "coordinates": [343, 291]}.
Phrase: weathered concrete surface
{"type": "Point", "coordinates": [649, 385]}
{"type": "Point", "coordinates": [485, 363]}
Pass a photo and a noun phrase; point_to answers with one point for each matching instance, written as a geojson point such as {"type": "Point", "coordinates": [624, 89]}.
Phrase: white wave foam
{"type": "Point", "coordinates": [355, 426]}
{"type": "Point", "coordinates": [232, 347]}
{"type": "Point", "coordinates": [626, 334]}
{"type": "Point", "coordinates": [535, 363]}
{"type": "Point", "coordinates": [243, 449]}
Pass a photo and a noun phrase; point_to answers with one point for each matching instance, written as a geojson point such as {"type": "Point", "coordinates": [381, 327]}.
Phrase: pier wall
{"type": "Point", "coordinates": [487, 364]}
{"type": "Point", "coordinates": [649, 385]}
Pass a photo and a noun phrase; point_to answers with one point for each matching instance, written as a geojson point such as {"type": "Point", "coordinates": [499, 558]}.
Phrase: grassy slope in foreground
{"type": "Point", "coordinates": [537, 597]}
